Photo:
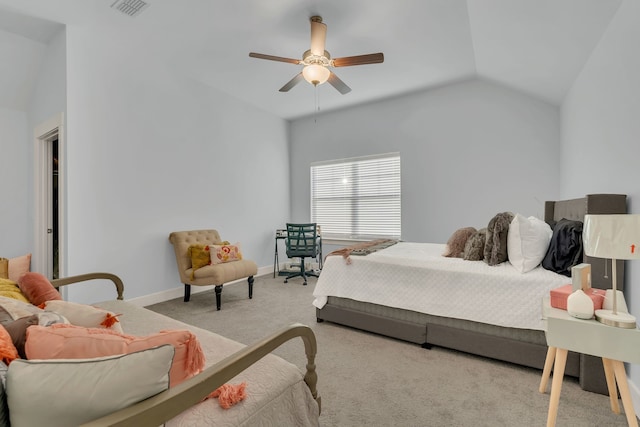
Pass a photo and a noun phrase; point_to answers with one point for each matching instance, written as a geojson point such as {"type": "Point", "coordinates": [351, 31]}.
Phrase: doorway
{"type": "Point", "coordinates": [55, 227]}
{"type": "Point", "coordinates": [49, 190]}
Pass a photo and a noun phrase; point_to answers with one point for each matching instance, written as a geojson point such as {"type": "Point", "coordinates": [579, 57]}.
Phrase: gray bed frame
{"type": "Point", "coordinates": [522, 347]}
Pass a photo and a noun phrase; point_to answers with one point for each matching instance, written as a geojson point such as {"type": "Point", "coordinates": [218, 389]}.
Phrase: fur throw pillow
{"type": "Point", "coordinates": [495, 248]}
{"type": "Point", "coordinates": [474, 248]}
{"type": "Point", "coordinates": [455, 245]}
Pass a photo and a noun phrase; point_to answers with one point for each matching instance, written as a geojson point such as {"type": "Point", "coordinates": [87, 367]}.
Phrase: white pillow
{"type": "Point", "coordinates": [70, 392]}
{"type": "Point", "coordinates": [527, 242]}
{"type": "Point", "coordinates": [82, 314]}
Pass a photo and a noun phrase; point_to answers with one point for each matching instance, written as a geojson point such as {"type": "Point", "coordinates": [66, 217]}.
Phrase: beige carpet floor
{"type": "Point", "coordinates": [369, 380]}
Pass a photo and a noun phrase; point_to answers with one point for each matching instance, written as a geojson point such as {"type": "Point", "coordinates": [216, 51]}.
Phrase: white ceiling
{"type": "Point", "coordinates": [535, 46]}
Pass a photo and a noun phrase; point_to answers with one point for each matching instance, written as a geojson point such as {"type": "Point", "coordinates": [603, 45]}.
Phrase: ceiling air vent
{"type": "Point", "coordinates": [130, 7]}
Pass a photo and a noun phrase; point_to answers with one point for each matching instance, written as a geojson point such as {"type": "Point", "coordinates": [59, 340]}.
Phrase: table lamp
{"type": "Point", "coordinates": [616, 237]}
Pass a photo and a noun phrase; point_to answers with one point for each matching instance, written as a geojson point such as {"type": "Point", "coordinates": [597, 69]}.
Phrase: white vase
{"type": "Point", "coordinates": [580, 305]}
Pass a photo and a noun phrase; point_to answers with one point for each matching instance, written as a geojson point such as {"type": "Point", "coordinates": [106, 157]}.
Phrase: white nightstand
{"type": "Point", "coordinates": [614, 345]}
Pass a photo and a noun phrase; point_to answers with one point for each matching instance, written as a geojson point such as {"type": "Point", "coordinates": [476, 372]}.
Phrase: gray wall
{"type": "Point", "coordinates": [150, 152]}
{"type": "Point", "coordinates": [468, 151]}
{"type": "Point", "coordinates": [601, 131]}
{"type": "Point", "coordinates": [15, 164]}
{"type": "Point", "coordinates": [147, 153]}
{"type": "Point", "coordinates": [47, 97]}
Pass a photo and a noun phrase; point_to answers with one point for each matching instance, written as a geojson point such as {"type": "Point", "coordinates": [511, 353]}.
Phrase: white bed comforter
{"type": "Point", "coordinates": [415, 276]}
{"type": "Point", "coordinates": [276, 392]}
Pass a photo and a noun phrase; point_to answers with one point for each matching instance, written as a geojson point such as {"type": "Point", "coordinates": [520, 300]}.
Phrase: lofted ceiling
{"type": "Point", "coordinates": [535, 46]}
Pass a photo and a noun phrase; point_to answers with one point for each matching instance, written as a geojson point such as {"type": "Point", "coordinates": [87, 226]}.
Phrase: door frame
{"type": "Point", "coordinates": [43, 133]}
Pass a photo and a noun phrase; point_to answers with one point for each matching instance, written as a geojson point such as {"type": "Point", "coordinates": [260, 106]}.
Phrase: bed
{"type": "Point", "coordinates": [460, 316]}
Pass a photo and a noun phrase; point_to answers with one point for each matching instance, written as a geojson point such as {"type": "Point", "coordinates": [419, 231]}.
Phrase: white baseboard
{"type": "Point", "coordinates": [178, 291]}
{"type": "Point", "coordinates": [635, 395]}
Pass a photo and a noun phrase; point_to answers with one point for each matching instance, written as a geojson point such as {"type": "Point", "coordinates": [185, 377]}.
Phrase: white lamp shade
{"type": "Point", "coordinates": [612, 236]}
{"type": "Point", "coordinates": [316, 74]}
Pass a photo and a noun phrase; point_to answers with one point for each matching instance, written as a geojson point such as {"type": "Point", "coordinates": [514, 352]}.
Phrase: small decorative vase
{"type": "Point", "coordinates": [580, 305]}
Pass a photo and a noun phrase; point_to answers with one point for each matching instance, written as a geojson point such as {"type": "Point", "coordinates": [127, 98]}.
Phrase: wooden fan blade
{"type": "Point", "coordinates": [338, 84]}
{"type": "Point", "coordinates": [274, 58]}
{"type": "Point", "coordinates": [291, 83]}
{"type": "Point", "coordinates": [372, 58]}
{"type": "Point", "coordinates": [318, 35]}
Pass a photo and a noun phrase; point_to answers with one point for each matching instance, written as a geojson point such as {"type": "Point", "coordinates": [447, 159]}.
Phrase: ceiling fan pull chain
{"type": "Point", "coordinates": [316, 106]}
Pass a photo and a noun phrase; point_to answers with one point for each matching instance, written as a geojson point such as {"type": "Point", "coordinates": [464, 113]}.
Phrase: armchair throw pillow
{"type": "Point", "coordinates": [200, 257]}
{"type": "Point", "coordinates": [224, 253]}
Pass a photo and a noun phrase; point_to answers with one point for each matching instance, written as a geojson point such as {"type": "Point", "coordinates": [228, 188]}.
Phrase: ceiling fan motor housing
{"type": "Point", "coordinates": [309, 58]}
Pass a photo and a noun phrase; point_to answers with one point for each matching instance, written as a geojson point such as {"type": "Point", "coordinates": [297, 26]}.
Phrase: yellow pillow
{"type": "Point", "coordinates": [200, 257]}
{"type": "Point", "coordinates": [10, 289]}
{"type": "Point", "coordinates": [4, 268]}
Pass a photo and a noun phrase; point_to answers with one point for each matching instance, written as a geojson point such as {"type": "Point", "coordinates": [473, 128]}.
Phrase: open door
{"type": "Point", "coordinates": [49, 186]}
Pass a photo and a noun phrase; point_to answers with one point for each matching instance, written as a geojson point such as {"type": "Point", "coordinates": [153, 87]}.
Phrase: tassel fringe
{"type": "Point", "coordinates": [229, 394]}
{"type": "Point", "coordinates": [195, 357]}
{"type": "Point", "coordinates": [110, 320]}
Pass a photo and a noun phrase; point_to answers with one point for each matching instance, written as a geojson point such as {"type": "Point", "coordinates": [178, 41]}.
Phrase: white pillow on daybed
{"type": "Point", "coordinates": [70, 392]}
{"type": "Point", "coordinates": [527, 242]}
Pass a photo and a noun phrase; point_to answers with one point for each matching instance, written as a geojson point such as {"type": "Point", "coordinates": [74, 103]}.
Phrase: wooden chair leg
{"type": "Point", "coordinates": [187, 292]}
{"type": "Point", "coordinates": [218, 296]}
{"type": "Point", "coordinates": [250, 280]}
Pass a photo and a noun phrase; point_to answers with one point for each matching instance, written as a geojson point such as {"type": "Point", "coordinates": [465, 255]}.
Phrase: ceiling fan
{"type": "Point", "coordinates": [317, 61]}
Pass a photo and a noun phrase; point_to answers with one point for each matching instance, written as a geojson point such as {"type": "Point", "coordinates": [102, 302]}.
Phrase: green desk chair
{"type": "Point", "coordinates": [302, 242]}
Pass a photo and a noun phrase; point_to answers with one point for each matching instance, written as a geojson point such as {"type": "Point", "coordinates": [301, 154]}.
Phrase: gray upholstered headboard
{"type": "Point", "coordinates": [576, 209]}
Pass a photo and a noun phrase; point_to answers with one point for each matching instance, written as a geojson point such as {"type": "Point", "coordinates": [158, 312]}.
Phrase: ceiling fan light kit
{"type": "Point", "coordinates": [317, 61]}
{"type": "Point", "coordinates": [316, 74]}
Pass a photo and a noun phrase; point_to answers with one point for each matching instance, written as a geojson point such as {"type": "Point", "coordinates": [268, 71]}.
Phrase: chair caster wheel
{"type": "Point", "coordinates": [286, 281]}
{"type": "Point", "coordinates": [304, 284]}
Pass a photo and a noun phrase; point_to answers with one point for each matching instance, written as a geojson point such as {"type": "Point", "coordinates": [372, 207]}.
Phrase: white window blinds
{"type": "Point", "coordinates": [357, 198]}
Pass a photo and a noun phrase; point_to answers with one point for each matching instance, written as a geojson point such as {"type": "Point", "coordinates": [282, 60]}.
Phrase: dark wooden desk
{"type": "Point", "coordinates": [276, 263]}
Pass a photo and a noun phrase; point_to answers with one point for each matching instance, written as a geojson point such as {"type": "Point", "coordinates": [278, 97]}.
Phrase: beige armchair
{"type": "Point", "coordinates": [216, 274]}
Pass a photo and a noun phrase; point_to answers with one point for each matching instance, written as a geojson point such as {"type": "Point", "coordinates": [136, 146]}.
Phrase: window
{"type": "Point", "coordinates": [357, 198]}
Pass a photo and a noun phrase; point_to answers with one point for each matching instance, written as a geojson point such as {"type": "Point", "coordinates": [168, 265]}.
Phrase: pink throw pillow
{"type": "Point", "coordinates": [18, 266]}
{"type": "Point", "coordinates": [224, 253]}
{"type": "Point", "coordinates": [60, 341]}
{"type": "Point", "coordinates": [37, 288]}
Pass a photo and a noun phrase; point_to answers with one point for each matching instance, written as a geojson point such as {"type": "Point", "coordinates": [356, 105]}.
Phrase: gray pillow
{"type": "Point", "coordinates": [86, 388]}
{"type": "Point", "coordinates": [495, 248]}
{"type": "Point", "coordinates": [474, 248]}
{"type": "Point", "coordinates": [455, 245]}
